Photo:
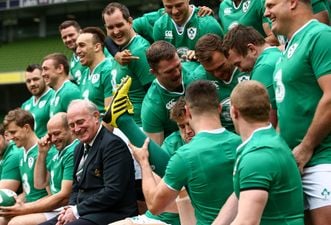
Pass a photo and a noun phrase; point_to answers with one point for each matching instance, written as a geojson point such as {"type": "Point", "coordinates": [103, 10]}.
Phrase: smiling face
{"type": "Point", "coordinates": [86, 49]}
{"type": "Point", "coordinates": [18, 134]}
{"type": "Point", "coordinates": [244, 63]}
{"type": "Point", "coordinates": [118, 29]}
{"type": "Point", "coordinates": [59, 134]}
{"type": "Point", "coordinates": [278, 11]}
{"type": "Point", "coordinates": [219, 66]}
{"type": "Point", "coordinates": [178, 10]}
{"type": "Point", "coordinates": [35, 82]}
{"type": "Point", "coordinates": [69, 36]}
{"type": "Point", "coordinates": [83, 123]}
{"type": "Point", "coordinates": [169, 73]}
{"type": "Point", "coordinates": [50, 72]}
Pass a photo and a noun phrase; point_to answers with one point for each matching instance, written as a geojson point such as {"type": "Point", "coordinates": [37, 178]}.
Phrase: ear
{"type": "Point", "coordinates": [252, 49]}
{"type": "Point", "coordinates": [97, 47]}
{"type": "Point", "coordinates": [188, 112]}
{"type": "Point", "coordinates": [234, 113]}
{"type": "Point", "coordinates": [130, 20]}
{"type": "Point", "coordinates": [219, 108]}
{"type": "Point", "coordinates": [293, 4]}
{"type": "Point", "coordinates": [27, 127]}
{"type": "Point", "coordinates": [153, 71]}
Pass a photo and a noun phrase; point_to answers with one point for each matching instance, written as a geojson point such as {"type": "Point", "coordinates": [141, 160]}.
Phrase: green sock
{"type": "Point", "coordinates": [158, 158]}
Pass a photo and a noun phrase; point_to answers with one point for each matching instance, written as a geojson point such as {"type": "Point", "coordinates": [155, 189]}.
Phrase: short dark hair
{"type": "Point", "coordinates": [59, 59]}
{"type": "Point", "coordinates": [202, 96]}
{"type": "Point", "coordinates": [68, 23]}
{"type": "Point", "coordinates": [252, 100]}
{"type": "Point", "coordinates": [98, 35]}
{"type": "Point", "coordinates": [160, 50]}
{"type": "Point", "coordinates": [31, 67]}
{"type": "Point", "coordinates": [20, 117]}
{"type": "Point", "coordinates": [111, 8]}
{"type": "Point", "coordinates": [239, 37]}
{"type": "Point", "coordinates": [206, 46]}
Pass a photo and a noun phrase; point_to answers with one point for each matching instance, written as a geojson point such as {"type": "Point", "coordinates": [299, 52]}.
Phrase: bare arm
{"type": "Point", "coordinates": [320, 126]}
{"type": "Point", "coordinates": [40, 171]}
{"type": "Point", "coordinates": [158, 195]}
{"type": "Point", "coordinates": [228, 212]}
{"type": "Point", "coordinates": [10, 184]}
{"type": "Point", "coordinates": [157, 137]}
{"type": "Point", "coordinates": [250, 207]}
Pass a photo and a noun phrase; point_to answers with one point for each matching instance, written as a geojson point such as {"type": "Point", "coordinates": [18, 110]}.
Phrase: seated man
{"type": "Point", "coordinates": [57, 174]}
{"type": "Point", "coordinates": [9, 162]}
{"type": "Point", "coordinates": [103, 180]}
{"type": "Point", "coordinates": [270, 191]}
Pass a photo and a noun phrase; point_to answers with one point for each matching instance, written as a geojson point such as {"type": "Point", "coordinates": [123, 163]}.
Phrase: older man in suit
{"type": "Point", "coordinates": [102, 193]}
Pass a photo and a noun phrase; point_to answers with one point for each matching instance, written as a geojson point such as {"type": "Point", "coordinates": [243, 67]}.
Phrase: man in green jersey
{"type": "Point", "coordinates": [69, 31]}
{"type": "Point", "coordinates": [118, 24]}
{"type": "Point", "coordinates": [55, 69]}
{"type": "Point", "coordinates": [302, 81]}
{"type": "Point", "coordinates": [182, 27]}
{"type": "Point", "coordinates": [171, 79]}
{"type": "Point", "coordinates": [57, 174]}
{"type": "Point", "coordinates": [9, 163]}
{"type": "Point", "coordinates": [247, 49]}
{"type": "Point", "coordinates": [39, 103]}
{"type": "Point", "coordinates": [248, 13]}
{"type": "Point", "coordinates": [266, 180]}
{"type": "Point", "coordinates": [216, 68]}
{"type": "Point", "coordinates": [96, 86]}
{"type": "Point", "coordinates": [197, 164]}
{"type": "Point", "coordinates": [19, 124]}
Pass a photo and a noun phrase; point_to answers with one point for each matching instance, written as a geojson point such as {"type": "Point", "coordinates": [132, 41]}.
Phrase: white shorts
{"type": "Point", "coordinates": [316, 182]}
{"type": "Point", "coordinates": [138, 220]}
{"type": "Point", "coordinates": [143, 219]}
{"type": "Point", "coordinates": [50, 215]}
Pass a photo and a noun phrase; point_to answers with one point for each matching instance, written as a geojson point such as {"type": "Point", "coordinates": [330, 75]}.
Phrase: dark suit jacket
{"type": "Point", "coordinates": [105, 192]}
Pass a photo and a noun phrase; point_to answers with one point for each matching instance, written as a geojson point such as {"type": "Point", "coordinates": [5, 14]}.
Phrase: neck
{"type": "Point", "coordinates": [60, 81]}
{"type": "Point", "coordinates": [305, 15]}
{"type": "Point", "coordinates": [236, 2]}
{"type": "Point", "coordinates": [261, 48]}
{"type": "Point", "coordinates": [31, 141]}
{"type": "Point", "coordinates": [246, 129]}
{"type": "Point", "coordinates": [205, 121]}
{"type": "Point", "coordinates": [38, 96]}
{"type": "Point", "coordinates": [98, 59]}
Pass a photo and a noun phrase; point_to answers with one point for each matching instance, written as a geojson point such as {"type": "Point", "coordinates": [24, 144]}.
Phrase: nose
{"type": "Point", "coordinates": [174, 11]}
{"type": "Point", "coordinates": [267, 12]}
{"type": "Point", "coordinates": [116, 30]}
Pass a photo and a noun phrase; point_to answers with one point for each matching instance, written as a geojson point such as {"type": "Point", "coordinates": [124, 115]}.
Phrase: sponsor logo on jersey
{"type": "Point", "coordinates": [227, 11]}
{"type": "Point", "coordinates": [42, 103]}
{"type": "Point", "coordinates": [246, 6]}
{"type": "Point", "coordinates": [291, 50]}
{"type": "Point", "coordinates": [191, 32]}
{"type": "Point", "coordinates": [170, 104]}
{"type": "Point", "coordinates": [243, 78]}
{"type": "Point", "coordinates": [280, 89]}
{"type": "Point", "coordinates": [168, 34]}
{"type": "Point", "coordinates": [95, 78]}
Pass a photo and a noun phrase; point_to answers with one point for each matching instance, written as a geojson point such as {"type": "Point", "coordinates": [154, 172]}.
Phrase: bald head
{"type": "Point", "coordinates": [251, 99]}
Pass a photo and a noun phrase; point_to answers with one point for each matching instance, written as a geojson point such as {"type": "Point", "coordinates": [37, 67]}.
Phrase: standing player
{"type": "Point", "coordinates": [266, 180]}
{"type": "Point", "coordinates": [248, 13]}
{"type": "Point", "coordinates": [216, 68]}
{"type": "Point", "coordinates": [55, 69]}
{"type": "Point", "coordinates": [182, 27]}
{"type": "Point", "coordinates": [96, 85]}
{"type": "Point", "coordinates": [39, 103]}
{"type": "Point", "coordinates": [118, 23]}
{"type": "Point", "coordinates": [69, 31]}
{"type": "Point", "coordinates": [302, 81]}
{"type": "Point", "coordinates": [247, 49]}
